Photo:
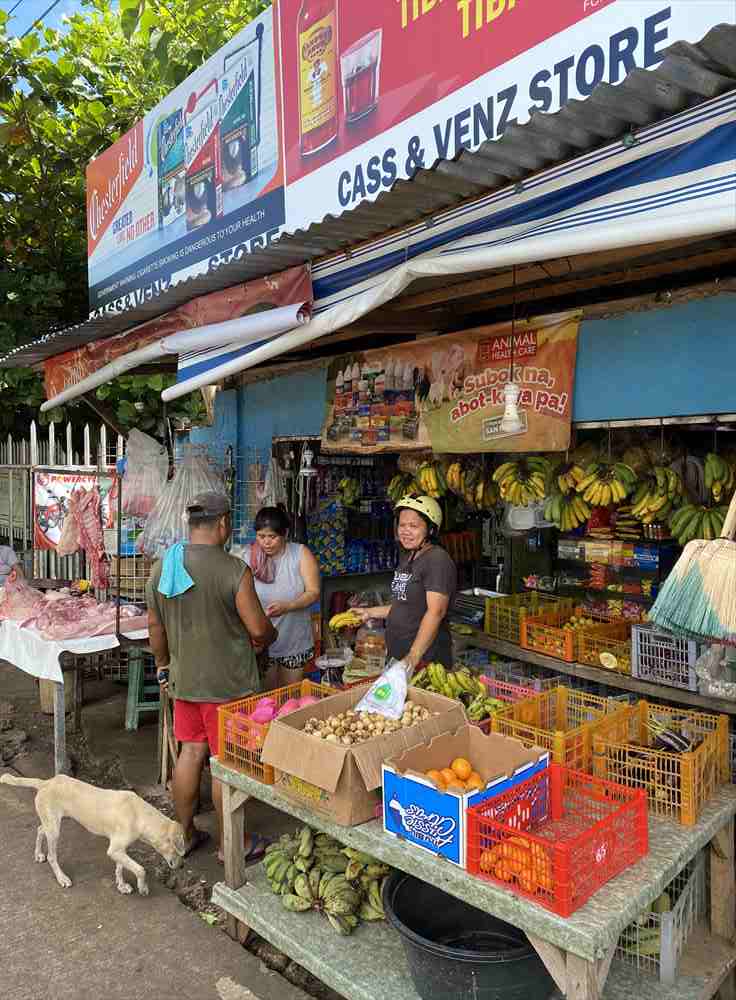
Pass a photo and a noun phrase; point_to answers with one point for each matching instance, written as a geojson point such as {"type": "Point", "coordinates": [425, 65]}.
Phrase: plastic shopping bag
{"type": "Point", "coordinates": [387, 694]}
{"type": "Point", "coordinates": [147, 467]}
{"type": "Point", "coordinates": [167, 523]}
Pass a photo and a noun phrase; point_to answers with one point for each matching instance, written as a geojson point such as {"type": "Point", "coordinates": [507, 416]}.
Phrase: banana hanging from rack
{"type": "Point", "coordinates": [606, 483]}
{"type": "Point", "coordinates": [523, 481]}
{"type": "Point", "coordinates": [720, 477]}
{"type": "Point", "coordinates": [657, 496]}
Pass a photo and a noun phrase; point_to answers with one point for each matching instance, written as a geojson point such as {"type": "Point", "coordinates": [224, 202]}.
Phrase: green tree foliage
{"type": "Point", "coordinates": [65, 96]}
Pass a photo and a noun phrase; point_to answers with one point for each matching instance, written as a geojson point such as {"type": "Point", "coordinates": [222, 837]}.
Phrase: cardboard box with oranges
{"type": "Point", "coordinates": [427, 789]}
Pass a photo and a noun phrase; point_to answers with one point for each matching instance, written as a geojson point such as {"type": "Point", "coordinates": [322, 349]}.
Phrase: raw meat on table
{"type": "Point", "coordinates": [58, 615]}
{"type": "Point", "coordinates": [20, 601]}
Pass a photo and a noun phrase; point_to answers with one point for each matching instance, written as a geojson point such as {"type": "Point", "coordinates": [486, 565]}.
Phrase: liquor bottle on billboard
{"type": "Point", "coordinates": [171, 169]}
{"type": "Point", "coordinates": [361, 69]}
{"type": "Point", "coordinates": [316, 34]}
{"type": "Point", "coordinates": [203, 165]}
{"type": "Point", "coordinates": [240, 112]}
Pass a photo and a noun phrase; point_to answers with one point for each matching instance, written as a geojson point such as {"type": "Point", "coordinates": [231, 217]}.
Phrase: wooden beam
{"type": "Point", "coordinates": [104, 413]}
{"type": "Point", "coordinates": [582, 979]}
{"type": "Point", "coordinates": [576, 285]}
{"type": "Point", "coordinates": [554, 960]}
{"type": "Point", "coordinates": [722, 907]}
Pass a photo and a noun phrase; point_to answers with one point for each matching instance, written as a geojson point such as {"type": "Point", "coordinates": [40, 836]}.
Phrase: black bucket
{"type": "Point", "coordinates": [456, 952]}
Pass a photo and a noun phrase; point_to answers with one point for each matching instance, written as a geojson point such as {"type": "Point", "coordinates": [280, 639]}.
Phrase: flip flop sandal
{"type": "Point", "coordinates": [257, 849]}
{"type": "Point", "coordinates": [199, 837]}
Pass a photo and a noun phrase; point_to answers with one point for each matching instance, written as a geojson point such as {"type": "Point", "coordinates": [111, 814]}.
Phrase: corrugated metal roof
{"type": "Point", "coordinates": [688, 75]}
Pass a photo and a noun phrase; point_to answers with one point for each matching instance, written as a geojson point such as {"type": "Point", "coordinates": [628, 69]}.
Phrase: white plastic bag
{"type": "Point", "coordinates": [387, 694]}
{"type": "Point", "coordinates": [167, 523]}
{"type": "Point", "coordinates": [147, 466]}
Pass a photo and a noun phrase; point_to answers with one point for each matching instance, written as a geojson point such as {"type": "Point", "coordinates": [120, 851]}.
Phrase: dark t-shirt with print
{"type": "Point", "coordinates": [432, 571]}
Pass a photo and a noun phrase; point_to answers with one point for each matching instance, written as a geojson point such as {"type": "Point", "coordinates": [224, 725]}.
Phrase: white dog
{"type": "Point", "coordinates": [122, 817]}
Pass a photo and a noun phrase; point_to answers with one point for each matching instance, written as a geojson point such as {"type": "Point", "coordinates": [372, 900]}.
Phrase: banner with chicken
{"type": "Point", "coordinates": [449, 394]}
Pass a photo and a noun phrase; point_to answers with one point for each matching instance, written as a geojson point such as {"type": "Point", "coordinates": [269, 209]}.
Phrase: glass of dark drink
{"type": "Point", "coordinates": [361, 68]}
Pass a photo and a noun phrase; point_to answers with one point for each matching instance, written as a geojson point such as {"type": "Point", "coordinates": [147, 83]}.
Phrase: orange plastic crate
{"type": "Point", "coordinates": [561, 720]}
{"type": "Point", "coordinates": [677, 784]}
{"type": "Point", "coordinates": [558, 837]}
{"type": "Point", "coordinates": [504, 615]}
{"type": "Point", "coordinates": [241, 740]}
{"type": "Point", "coordinates": [614, 638]}
{"type": "Point", "coordinates": [546, 633]}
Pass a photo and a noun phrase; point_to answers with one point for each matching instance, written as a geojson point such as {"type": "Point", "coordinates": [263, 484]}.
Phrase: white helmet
{"type": "Point", "coordinates": [427, 506]}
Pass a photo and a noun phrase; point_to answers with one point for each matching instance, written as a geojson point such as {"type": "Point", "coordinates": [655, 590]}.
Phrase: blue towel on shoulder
{"type": "Point", "coordinates": [174, 577]}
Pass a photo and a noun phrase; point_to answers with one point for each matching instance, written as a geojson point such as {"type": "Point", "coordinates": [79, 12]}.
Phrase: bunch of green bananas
{"type": "Point", "coordinates": [605, 483]}
{"type": "Point", "coordinates": [348, 490]}
{"type": "Point", "coordinates": [460, 685]}
{"type": "Point", "coordinates": [696, 521]}
{"type": "Point", "coordinates": [567, 511]}
{"type": "Point", "coordinates": [566, 477]}
{"type": "Point", "coordinates": [313, 871]}
{"type": "Point", "coordinates": [720, 476]}
{"type": "Point", "coordinates": [401, 485]}
{"type": "Point", "coordinates": [431, 480]}
{"type": "Point", "coordinates": [523, 480]}
{"type": "Point", "coordinates": [658, 494]}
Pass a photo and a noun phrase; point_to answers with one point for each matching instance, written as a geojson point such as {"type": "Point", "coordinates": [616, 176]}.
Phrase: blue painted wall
{"type": "Point", "coordinates": [668, 362]}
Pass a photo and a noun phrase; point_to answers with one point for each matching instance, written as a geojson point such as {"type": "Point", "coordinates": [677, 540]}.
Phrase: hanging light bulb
{"type": "Point", "coordinates": [511, 422]}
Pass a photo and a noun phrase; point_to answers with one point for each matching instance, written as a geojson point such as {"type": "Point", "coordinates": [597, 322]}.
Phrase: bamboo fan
{"type": "Point", "coordinates": [699, 595]}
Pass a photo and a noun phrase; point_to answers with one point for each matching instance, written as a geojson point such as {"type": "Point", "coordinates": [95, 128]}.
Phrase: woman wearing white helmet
{"type": "Point", "coordinates": [423, 587]}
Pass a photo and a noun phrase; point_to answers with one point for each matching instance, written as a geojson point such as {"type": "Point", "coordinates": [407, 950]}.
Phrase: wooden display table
{"type": "Point", "coordinates": [578, 951]}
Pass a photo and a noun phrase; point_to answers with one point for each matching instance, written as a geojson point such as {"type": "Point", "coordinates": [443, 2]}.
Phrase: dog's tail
{"type": "Point", "coordinates": [8, 779]}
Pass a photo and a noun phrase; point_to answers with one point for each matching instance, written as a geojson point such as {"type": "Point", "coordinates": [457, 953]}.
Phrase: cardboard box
{"type": "Point", "coordinates": [344, 783]}
{"type": "Point", "coordinates": [415, 810]}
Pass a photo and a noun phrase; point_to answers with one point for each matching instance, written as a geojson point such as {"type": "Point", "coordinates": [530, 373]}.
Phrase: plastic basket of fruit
{"type": "Point", "coordinates": [664, 658]}
{"type": "Point", "coordinates": [501, 691]}
{"type": "Point", "coordinates": [655, 941]}
{"type": "Point", "coordinates": [556, 631]}
{"type": "Point", "coordinates": [678, 757]}
{"type": "Point", "coordinates": [560, 720]}
{"type": "Point", "coordinates": [504, 615]}
{"type": "Point", "coordinates": [558, 837]}
{"type": "Point", "coordinates": [607, 646]}
{"type": "Point", "coordinates": [243, 724]}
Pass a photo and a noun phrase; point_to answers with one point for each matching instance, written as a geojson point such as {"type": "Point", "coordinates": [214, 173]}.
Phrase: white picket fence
{"type": "Point", "coordinates": [18, 458]}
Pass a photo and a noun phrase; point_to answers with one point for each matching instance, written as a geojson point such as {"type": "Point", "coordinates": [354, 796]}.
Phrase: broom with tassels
{"type": "Point", "coordinates": [699, 596]}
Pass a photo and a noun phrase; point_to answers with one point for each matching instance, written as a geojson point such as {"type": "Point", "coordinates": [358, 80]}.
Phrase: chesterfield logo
{"type": "Point", "coordinates": [170, 132]}
{"type": "Point", "coordinates": [433, 829]}
{"type": "Point", "coordinates": [232, 86]}
{"type": "Point", "coordinates": [102, 203]}
{"type": "Point", "coordinates": [200, 130]}
{"type": "Point", "coordinates": [317, 43]}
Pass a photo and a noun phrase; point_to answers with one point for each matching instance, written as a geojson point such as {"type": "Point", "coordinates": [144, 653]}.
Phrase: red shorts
{"type": "Point", "coordinates": [196, 722]}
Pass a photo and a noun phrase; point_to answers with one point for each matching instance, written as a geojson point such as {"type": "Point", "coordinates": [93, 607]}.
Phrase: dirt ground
{"type": "Point", "coordinates": [107, 756]}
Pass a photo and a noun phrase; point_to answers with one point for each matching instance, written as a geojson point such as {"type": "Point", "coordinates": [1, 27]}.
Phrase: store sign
{"type": "Point", "coordinates": [68, 369]}
{"type": "Point", "coordinates": [376, 91]}
{"type": "Point", "coordinates": [197, 183]}
{"type": "Point", "coordinates": [51, 494]}
{"type": "Point", "coordinates": [447, 393]}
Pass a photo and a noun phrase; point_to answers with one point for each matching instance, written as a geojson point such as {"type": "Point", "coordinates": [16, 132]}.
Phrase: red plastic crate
{"type": "Point", "coordinates": [558, 837]}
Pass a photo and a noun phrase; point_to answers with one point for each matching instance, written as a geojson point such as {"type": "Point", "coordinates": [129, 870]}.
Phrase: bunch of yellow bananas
{"type": "Point", "coordinates": [567, 511]}
{"type": "Point", "coordinates": [605, 483]}
{"type": "Point", "coordinates": [657, 496]}
{"type": "Point", "coordinates": [346, 619]}
{"type": "Point", "coordinates": [400, 486]}
{"type": "Point", "coordinates": [567, 476]}
{"type": "Point", "coordinates": [720, 476]}
{"type": "Point", "coordinates": [523, 480]}
{"type": "Point", "coordinates": [431, 479]}
{"type": "Point", "coordinates": [473, 485]}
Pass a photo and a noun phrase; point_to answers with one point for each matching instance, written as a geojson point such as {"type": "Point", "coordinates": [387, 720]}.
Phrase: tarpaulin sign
{"type": "Point", "coordinates": [51, 494]}
{"type": "Point", "coordinates": [447, 393]}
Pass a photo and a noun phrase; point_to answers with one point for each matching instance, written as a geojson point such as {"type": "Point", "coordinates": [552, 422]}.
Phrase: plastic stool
{"type": "Point", "coordinates": [139, 691]}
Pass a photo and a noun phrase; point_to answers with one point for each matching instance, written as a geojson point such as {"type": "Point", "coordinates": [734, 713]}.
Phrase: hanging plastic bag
{"type": "Point", "coordinates": [147, 466]}
{"type": "Point", "coordinates": [167, 523]}
{"type": "Point", "coordinates": [387, 694]}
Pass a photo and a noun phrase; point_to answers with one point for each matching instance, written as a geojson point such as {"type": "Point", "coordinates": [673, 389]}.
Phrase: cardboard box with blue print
{"type": "Point", "coordinates": [343, 783]}
{"type": "Point", "coordinates": [417, 811]}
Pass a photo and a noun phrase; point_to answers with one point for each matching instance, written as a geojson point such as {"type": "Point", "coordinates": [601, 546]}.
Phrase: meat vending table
{"type": "Point", "coordinates": [57, 662]}
{"type": "Point", "coordinates": [577, 951]}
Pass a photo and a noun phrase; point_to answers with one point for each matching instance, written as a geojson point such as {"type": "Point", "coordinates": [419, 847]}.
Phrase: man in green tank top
{"type": "Point", "coordinates": [204, 621]}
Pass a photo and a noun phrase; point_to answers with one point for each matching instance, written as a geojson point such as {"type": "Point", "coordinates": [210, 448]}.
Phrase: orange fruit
{"type": "Point", "coordinates": [462, 768]}
{"type": "Point", "coordinates": [475, 783]}
{"type": "Point", "coordinates": [437, 778]}
{"type": "Point", "coordinates": [456, 786]}
{"type": "Point", "coordinates": [448, 774]}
